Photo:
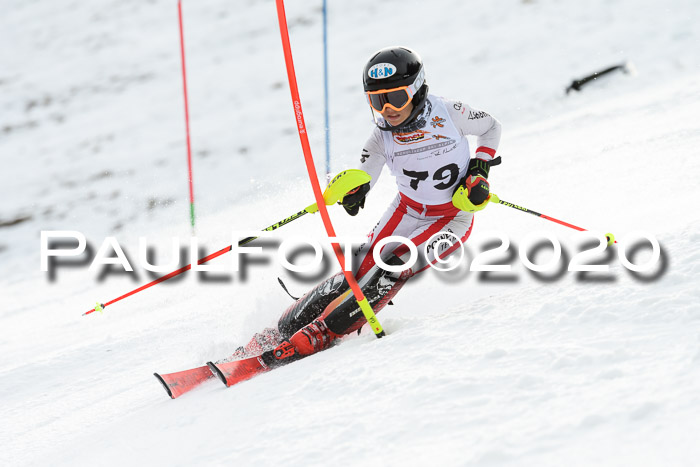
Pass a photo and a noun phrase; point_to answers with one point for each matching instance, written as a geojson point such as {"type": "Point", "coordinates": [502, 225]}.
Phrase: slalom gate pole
{"type": "Point", "coordinates": [187, 113]}
{"type": "Point", "coordinates": [495, 199]}
{"type": "Point", "coordinates": [313, 178]}
{"type": "Point", "coordinates": [341, 184]}
{"type": "Point", "coordinates": [325, 90]}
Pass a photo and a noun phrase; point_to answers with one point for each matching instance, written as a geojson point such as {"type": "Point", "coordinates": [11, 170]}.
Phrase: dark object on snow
{"type": "Point", "coordinates": [285, 289]}
{"type": "Point", "coordinates": [577, 84]}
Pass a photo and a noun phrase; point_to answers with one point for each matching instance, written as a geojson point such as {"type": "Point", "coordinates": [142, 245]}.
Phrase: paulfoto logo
{"type": "Point", "coordinates": [443, 252]}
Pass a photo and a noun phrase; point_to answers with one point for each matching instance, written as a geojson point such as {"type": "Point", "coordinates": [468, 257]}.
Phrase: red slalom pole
{"type": "Point", "coordinates": [311, 168]}
{"type": "Point", "coordinates": [187, 112]}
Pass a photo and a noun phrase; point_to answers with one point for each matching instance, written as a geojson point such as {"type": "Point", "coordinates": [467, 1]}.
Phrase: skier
{"type": "Point", "coordinates": [421, 138]}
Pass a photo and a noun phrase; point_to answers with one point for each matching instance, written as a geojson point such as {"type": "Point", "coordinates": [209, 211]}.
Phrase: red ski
{"type": "Point", "coordinates": [176, 384]}
{"type": "Point", "coordinates": [231, 373]}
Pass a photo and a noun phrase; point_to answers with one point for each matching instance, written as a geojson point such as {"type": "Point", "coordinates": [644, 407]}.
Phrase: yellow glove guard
{"type": "Point", "coordinates": [461, 201]}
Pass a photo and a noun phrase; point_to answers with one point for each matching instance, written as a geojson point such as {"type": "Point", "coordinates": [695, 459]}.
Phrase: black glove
{"type": "Point", "coordinates": [481, 167]}
{"type": "Point", "coordinates": [472, 192]}
{"type": "Point", "coordinates": [478, 188]}
{"type": "Point", "coordinates": [355, 199]}
{"type": "Point", "coordinates": [476, 182]}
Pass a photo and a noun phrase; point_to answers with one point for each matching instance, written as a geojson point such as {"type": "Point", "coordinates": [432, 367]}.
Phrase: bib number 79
{"type": "Point", "coordinates": [447, 176]}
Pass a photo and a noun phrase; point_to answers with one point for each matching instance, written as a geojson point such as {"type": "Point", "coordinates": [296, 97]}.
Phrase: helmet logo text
{"type": "Point", "coordinates": [381, 71]}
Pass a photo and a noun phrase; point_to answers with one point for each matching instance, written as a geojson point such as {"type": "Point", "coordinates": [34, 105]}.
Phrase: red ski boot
{"type": "Point", "coordinates": [308, 340]}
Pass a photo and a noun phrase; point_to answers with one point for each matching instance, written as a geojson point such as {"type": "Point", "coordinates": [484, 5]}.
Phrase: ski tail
{"type": "Point", "coordinates": [177, 384]}
{"type": "Point", "coordinates": [231, 373]}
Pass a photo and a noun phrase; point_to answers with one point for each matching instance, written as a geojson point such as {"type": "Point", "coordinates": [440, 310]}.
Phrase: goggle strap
{"type": "Point", "coordinates": [418, 82]}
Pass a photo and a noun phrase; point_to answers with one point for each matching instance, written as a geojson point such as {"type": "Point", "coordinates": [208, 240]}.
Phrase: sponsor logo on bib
{"type": "Point", "coordinates": [410, 138]}
{"type": "Point", "coordinates": [437, 122]}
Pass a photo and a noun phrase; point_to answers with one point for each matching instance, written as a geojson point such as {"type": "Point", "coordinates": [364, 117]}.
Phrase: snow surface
{"type": "Point", "coordinates": [603, 371]}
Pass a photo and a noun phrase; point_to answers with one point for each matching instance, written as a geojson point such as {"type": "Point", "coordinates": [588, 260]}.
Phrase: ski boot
{"type": "Point", "coordinates": [310, 339]}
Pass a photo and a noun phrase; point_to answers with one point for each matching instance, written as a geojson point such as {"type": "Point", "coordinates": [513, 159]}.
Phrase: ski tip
{"type": "Point", "coordinates": [215, 369]}
{"type": "Point", "coordinates": [162, 381]}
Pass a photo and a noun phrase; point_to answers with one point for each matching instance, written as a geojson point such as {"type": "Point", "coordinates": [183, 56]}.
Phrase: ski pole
{"type": "Point", "coordinates": [495, 199]}
{"type": "Point", "coordinates": [341, 184]}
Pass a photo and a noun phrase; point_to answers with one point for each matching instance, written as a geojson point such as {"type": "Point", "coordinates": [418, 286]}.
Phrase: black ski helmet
{"type": "Point", "coordinates": [393, 67]}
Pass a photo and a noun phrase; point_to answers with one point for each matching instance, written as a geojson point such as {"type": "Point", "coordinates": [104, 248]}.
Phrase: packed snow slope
{"type": "Point", "coordinates": [506, 369]}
